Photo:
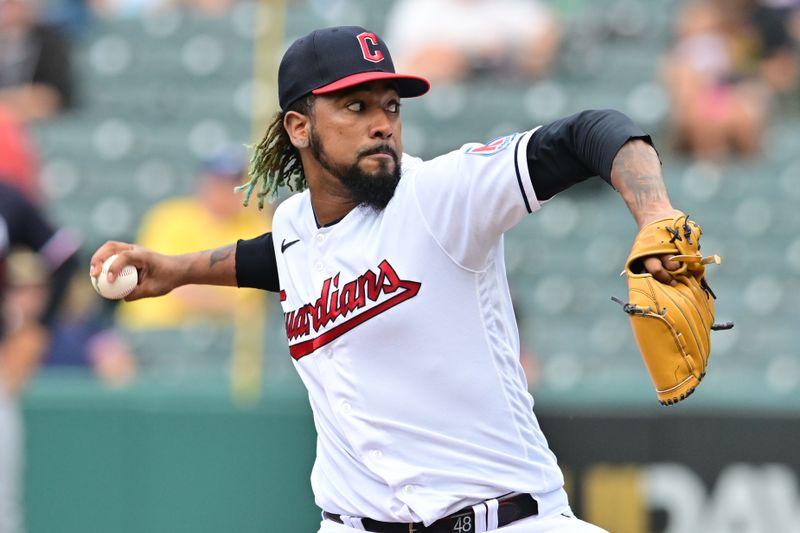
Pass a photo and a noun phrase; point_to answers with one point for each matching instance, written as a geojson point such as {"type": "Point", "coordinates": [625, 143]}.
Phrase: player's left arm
{"type": "Point", "coordinates": [636, 175]}
{"type": "Point", "coordinates": [608, 144]}
{"type": "Point", "coordinates": [574, 148]}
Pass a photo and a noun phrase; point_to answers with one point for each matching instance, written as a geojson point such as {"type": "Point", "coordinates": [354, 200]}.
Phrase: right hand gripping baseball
{"type": "Point", "coordinates": [157, 273]}
{"type": "Point", "coordinates": [672, 322]}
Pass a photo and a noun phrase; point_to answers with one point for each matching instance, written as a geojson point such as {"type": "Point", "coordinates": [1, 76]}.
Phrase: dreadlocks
{"type": "Point", "coordinates": [275, 161]}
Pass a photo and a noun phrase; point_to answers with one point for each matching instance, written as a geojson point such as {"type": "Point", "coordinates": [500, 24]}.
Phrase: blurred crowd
{"type": "Point", "coordinates": [39, 83]}
{"type": "Point", "coordinates": [511, 39]}
{"type": "Point", "coordinates": [210, 218]}
{"type": "Point", "coordinates": [728, 63]}
{"type": "Point", "coordinates": [49, 314]}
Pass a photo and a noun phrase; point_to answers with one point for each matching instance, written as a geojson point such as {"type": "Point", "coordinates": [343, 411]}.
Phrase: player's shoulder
{"type": "Point", "coordinates": [491, 147]}
{"type": "Point", "coordinates": [292, 211]}
{"type": "Point", "coordinates": [469, 158]}
{"type": "Point", "coordinates": [410, 164]}
{"type": "Point", "coordinates": [413, 167]}
{"type": "Point", "coordinates": [292, 204]}
{"type": "Point", "coordinates": [475, 153]}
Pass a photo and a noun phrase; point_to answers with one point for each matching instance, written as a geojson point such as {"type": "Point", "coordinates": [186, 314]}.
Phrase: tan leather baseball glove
{"type": "Point", "coordinates": [672, 324]}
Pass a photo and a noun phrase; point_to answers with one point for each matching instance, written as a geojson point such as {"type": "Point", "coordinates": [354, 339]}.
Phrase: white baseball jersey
{"type": "Point", "coordinates": [401, 327]}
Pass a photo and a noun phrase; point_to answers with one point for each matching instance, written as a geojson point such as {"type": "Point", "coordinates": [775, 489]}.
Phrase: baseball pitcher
{"type": "Point", "coordinates": [397, 310]}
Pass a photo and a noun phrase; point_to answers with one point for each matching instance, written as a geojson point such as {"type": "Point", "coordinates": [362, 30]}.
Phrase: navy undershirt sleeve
{"type": "Point", "coordinates": [572, 149]}
{"type": "Point", "coordinates": [256, 266]}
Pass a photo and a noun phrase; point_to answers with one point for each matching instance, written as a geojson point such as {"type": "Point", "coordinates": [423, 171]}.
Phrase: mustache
{"type": "Point", "coordinates": [380, 149]}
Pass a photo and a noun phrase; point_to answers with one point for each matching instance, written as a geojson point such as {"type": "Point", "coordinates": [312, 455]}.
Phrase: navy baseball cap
{"type": "Point", "coordinates": [332, 59]}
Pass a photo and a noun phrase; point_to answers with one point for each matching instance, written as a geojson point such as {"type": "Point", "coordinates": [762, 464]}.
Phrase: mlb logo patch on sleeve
{"type": "Point", "coordinates": [492, 147]}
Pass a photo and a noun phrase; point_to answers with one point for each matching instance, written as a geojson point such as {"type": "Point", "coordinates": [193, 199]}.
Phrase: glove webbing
{"type": "Point", "coordinates": [636, 310]}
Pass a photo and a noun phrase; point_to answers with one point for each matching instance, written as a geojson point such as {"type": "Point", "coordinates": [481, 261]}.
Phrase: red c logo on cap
{"type": "Point", "coordinates": [369, 47]}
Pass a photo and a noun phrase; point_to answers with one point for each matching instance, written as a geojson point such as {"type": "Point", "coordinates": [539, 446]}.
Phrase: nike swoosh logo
{"type": "Point", "coordinates": [285, 245]}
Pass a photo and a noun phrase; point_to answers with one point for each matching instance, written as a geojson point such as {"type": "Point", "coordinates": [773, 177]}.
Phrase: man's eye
{"type": "Point", "coordinates": [394, 107]}
{"type": "Point", "coordinates": [355, 106]}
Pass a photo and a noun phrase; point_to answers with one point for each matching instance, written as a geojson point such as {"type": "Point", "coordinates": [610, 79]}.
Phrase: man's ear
{"type": "Point", "coordinates": [298, 126]}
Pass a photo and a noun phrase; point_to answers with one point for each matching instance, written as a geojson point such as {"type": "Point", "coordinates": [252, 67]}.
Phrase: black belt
{"type": "Point", "coordinates": [509, 509]}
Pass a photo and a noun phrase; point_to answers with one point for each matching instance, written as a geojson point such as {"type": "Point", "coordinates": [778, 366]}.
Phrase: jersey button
{"type": "Point", "coordinates": [327, 353]}
{"type": "Point", "coordinates": [346, 408]}
{"type": "Point", "coordinates": [320, 238]}
{"type": "Point", "coordinates": [318, 266]}
{"type": "Point", "coordinates": [408, 489]}
{"type": "Point", "coordinates": [376, 454]}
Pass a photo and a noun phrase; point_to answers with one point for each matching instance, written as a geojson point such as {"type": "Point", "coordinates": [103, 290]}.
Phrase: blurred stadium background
{"type": "Point", "coordinates": [193, 446]}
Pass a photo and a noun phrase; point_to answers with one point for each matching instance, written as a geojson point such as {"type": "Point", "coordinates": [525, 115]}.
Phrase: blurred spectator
{"type": "Point", "coordinates": [35, 73]}
{"type": "Point", "coordinates": [23, 336]}
{"type": "Point", "coordinates": [134, 8]}
{"type": "Point", "coordinates": [125, 8]}
{"type": "Point", "coordinates": [728, 60]}
{"type": "Point", "coordinates": [72, 16]}
{"type": "Point", "coordinates": [453, 40]}
{"type": "Point", "coordinates": [773, 20]}
{"type": "Point", "coordinates": [213, 217]}
{"type": "Point", "coordinates": [18, 161]}
{"type": "Point", "coordinates": [210, 7]}
{"type": "Point", "coordinates": [82, 334]}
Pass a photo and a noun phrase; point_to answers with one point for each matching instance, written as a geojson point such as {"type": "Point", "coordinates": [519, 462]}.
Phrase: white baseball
{"type": "Point", "coordinates": [121, 287]}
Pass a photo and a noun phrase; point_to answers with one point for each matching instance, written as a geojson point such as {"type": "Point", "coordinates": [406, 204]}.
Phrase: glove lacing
{"type": "Point", "coordinates": [641, 311]}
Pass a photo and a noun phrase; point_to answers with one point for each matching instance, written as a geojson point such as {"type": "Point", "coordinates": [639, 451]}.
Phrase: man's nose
{"type": "Point", "coordinates": [381, 126]}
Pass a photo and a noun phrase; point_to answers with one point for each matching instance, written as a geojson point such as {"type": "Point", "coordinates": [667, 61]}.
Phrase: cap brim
{"type": "Point", "coordinates": [407, 86]}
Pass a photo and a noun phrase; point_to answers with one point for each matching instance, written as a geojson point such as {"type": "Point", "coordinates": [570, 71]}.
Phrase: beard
{"type": "Point", "coordinates": [373, 190]}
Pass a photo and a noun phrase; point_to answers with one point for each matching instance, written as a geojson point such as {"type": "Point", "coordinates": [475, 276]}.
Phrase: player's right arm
{"type": "Point", "coordinates": [247, 263]}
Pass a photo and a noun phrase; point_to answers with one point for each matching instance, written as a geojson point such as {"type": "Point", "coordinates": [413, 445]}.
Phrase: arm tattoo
{"type": "Point", "coordinates": [638, 175]}
{"type": "Point", "coordinates": [219, 255]}
{"type": "Point", "coordinates": [644, 189]}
